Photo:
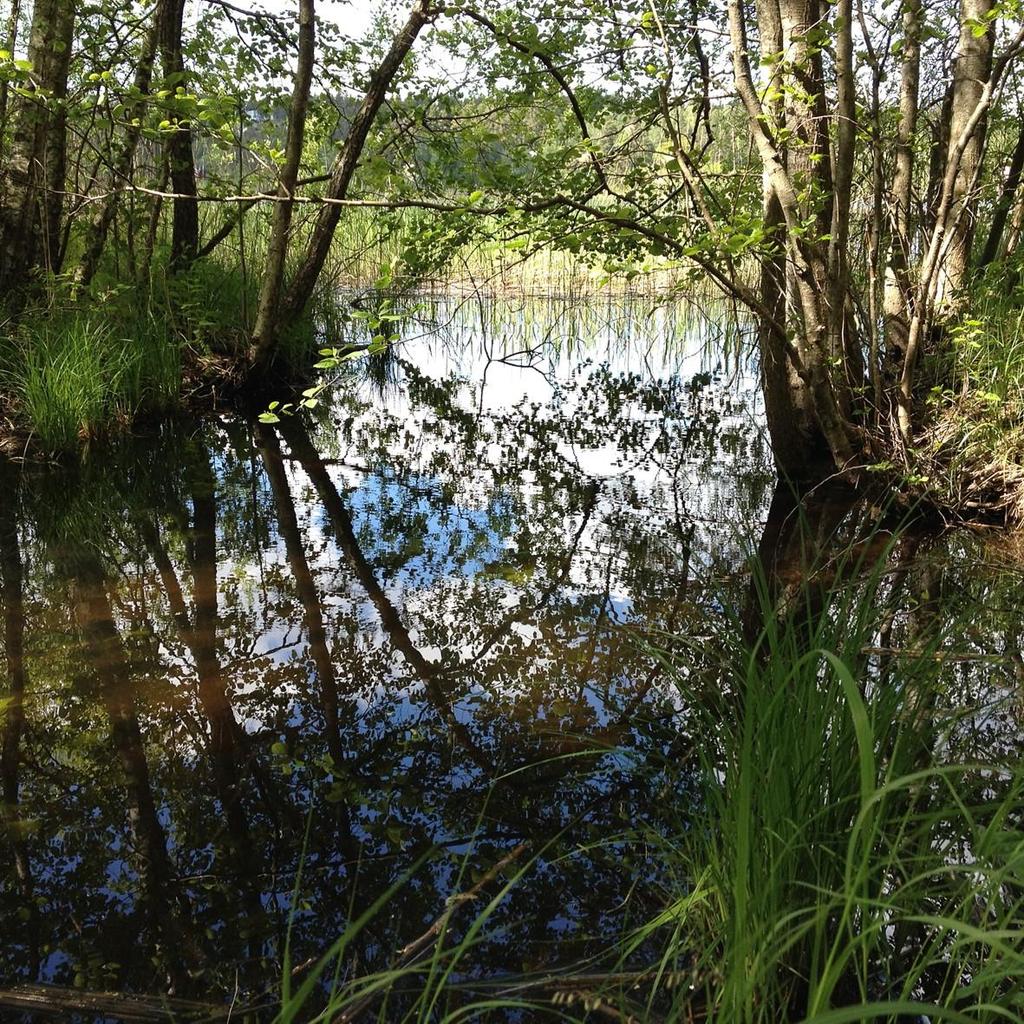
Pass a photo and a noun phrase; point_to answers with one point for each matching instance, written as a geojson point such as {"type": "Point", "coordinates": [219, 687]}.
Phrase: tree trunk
{"type": "Point", "coordinates": [971, 71]}
{"type": "Point", "coordinates": [895, 303]}
{"type": "Point", "coordinates": [267, 314]}
{"type": "Point", "coordinates": [301, 289]}
{"type": "Point", "coordinates": [34, 175]}
{"type": "Point", "coordinates": [797, 442]}
{"type": "Point", "coordinates": [807, 149]}
{"type": "Point", "coordinates": [798, 177]}
{"type": "Point", "coordinates": [185, 218]}
{"type": "Point", "coordinates": [938, 153]}
{"type": "Point", "coordinates": [153, 220]}
{"type": "Point", "coordinates": [937, 277]}
{"type": "Point", "coordinates": [1013, 236]}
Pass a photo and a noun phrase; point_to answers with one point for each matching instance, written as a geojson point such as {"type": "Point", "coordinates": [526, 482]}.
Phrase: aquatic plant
{"type": "Point", "coordinates": [841, 866]}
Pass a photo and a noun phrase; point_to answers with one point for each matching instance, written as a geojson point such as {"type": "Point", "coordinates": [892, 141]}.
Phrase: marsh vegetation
{"type": "Point", "coordinates": [511, 512]}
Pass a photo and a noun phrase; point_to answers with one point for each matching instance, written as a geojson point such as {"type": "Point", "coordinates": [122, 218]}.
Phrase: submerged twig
{"type": "Point", "coordinates": [55, 1000]}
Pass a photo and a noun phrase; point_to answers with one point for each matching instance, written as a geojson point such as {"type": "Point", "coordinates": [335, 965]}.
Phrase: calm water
{"type": "Point", "coordinates": [412, 632]}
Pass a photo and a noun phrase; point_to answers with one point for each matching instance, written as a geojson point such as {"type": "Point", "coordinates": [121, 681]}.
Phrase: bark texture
{"type": "Point", "coordinates": [895, 302]}
{"type": "Point", "coordinates": [797, 441]}
{"type": "Point", "coordinates": [971, 72]}
{"type": "Point", "coordinates": [808, 401]}
{"type": "Point", "coordinates": [34, 174]}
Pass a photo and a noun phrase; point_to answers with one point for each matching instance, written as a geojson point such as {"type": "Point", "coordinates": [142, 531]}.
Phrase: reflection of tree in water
{"type": "Point", "coordinates": [931, 603]}
{"type": "Point", "coordinates": [23, 904]}
{"type": "Point", "coordinates": [382, 666]}
{"type": "Point", "coordinates": [419, 629]}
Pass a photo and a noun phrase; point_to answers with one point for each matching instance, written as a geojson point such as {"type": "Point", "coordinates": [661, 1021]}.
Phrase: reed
{"type": "Point", "coordinates": [840, 866]}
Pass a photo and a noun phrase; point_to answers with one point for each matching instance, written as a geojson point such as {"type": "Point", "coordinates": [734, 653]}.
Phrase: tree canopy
{"type": "Point", "coordinates": [847, 173]}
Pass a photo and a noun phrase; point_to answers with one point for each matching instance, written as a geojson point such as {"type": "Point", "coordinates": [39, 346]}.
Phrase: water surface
{"type": "Point", "coordinates": [412, 631]}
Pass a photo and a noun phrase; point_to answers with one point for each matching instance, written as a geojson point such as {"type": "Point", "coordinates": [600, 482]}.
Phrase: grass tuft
{"type": "Point", "coordinates": [73, 374]}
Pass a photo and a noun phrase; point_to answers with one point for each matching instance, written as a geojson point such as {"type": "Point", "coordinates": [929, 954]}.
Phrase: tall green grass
{"type": "Point", "coordinates": [73, 370]}
{"type": "Point", "coordinates": [73, 373]}
{"type": "Point", "coordinates": [841, 866]}
{"type": "Point", "coordinates": [842, 870]}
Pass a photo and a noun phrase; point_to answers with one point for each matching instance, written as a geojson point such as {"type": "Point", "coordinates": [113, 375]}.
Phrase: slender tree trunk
{"type": "Point", "coordinates": [96, 232]}
{"type": "Point", "coordinates": [153, 221]}
{"type": "Point", "coordinates": [1013, 236]}
{"type": "Point", "coordinates": [938, 155]}
{"type": "Point", "coordinates": [33, 178]}
{"type": "Point", "coordinates": [1004, 204]}
{"type": "Point", "coordinates": [267, 312]}
{"type": "Point", "coordinates": [185, 217]}
{"type": "Point", "coordinates": [301, 288]}
{"type": "Point", "coordinates": [845, 342]}
{"type": "Point", "coordinates": [876, 234]}
{"type": "Point", "coordinates": [971, 71]}
{"type": "Point", "coordinates": [895, 303]}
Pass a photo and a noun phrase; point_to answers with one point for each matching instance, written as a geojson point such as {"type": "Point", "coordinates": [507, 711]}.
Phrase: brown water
{"type": "Point", "coordinates": [410, 634]}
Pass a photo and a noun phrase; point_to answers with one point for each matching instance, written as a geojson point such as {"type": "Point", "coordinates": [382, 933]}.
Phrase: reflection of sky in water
{"type": "Point", "coordinates": [528, 632]}
{"type": "Point", "coordinates": [424, 546]}
{"type": "Point", "coordinates": [455, 540]}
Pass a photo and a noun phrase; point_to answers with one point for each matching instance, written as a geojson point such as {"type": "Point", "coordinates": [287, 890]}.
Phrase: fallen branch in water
{"type": "Point", "coordinates": [57, 1001]}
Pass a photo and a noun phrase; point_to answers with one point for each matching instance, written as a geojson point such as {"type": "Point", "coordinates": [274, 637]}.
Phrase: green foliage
{"type": "Point", "coordinates": [382, 326]}
{"type": "Point", "coordinates": [976, 389]}
{"type": "Point", "coordinates": [73, 374]}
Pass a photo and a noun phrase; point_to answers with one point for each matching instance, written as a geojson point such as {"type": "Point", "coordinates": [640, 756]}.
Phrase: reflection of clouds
{"type": "Point", "coordinates": [467, 520]}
